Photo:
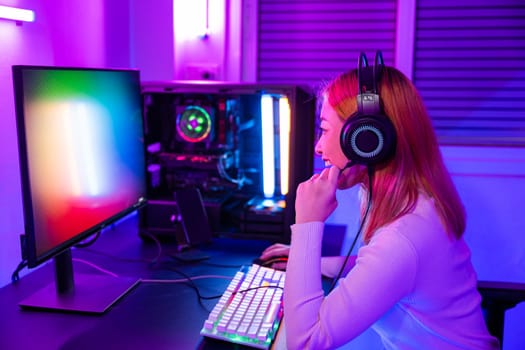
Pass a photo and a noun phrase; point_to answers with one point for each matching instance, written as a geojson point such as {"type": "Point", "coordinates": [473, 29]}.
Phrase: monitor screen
{"type": "Point", "coordinates": [81, 146]}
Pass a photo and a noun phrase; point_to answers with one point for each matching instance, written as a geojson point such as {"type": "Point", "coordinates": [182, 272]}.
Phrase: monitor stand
{"type": "Point", "coordinates": [85, 293]}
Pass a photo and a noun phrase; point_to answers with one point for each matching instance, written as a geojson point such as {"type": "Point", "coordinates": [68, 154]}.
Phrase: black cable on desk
{"type": "Point", "coordinates": [192, 285]}
{"type": "Point", "coordinates": [221, 265]}
{"type": "Point", "coordinates": [151, 262]}
{"type": "Point", "coordinates": [15, 276]}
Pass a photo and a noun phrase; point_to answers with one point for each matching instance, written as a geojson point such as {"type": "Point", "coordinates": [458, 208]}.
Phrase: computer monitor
{"type": "Point", "coordinates": [82, 165]}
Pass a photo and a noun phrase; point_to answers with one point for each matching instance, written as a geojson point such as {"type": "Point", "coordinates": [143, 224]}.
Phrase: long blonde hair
{"type": "Point", "coordinates": [417, 164]}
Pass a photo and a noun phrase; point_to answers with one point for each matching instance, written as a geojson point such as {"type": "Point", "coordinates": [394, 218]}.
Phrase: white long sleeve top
{"type": "Point", "coordinates": [412, 283]}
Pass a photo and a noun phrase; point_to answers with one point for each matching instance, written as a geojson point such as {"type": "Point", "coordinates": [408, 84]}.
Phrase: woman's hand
{"type": "Point", "coordinates": [316, 199]}
{"type": "Point", "coordinates": [275, 250]}
{"type": "Point", "coordinates": [275, 256]}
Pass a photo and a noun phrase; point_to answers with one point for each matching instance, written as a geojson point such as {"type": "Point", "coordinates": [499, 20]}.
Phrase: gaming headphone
{"type": "Point", "coordinates": [368, 136]}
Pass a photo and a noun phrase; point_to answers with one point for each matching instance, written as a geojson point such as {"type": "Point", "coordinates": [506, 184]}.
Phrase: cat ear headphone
{"type": "Point", "coordinates": [368, 136]}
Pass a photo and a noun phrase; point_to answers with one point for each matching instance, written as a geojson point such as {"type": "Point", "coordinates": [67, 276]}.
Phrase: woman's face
{"type": "Point", "coordinates": [329, 149]}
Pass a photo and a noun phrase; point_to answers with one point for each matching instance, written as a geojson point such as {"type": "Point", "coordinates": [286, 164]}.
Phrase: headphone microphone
{"type": "Point", "coordinates": [348, 165]}
{"type": "Point", "coordinates": [368, 136]}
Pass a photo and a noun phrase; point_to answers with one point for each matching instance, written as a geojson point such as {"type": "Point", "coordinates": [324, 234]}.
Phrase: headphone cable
{"type": "Point", "coordinates": [365, 216]}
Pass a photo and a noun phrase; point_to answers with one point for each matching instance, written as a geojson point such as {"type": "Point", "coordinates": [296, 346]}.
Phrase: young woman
{"type": "Point", "coordinates": [412, 280]}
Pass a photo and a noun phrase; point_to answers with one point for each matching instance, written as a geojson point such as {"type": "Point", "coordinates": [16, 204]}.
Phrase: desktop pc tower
{"type": "Point", "coordinates": [239, 150]}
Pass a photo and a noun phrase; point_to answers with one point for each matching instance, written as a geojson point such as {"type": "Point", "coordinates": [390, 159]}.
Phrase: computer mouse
{"type": "Point", "coordinates": [270, 261]}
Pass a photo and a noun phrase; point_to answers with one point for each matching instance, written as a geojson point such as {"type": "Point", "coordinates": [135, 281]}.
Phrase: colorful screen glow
{"type": "Point", "coordinates": [84, 153]}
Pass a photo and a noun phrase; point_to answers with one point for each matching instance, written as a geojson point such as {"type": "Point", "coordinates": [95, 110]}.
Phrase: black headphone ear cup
{"type": "Point", "coordinates": [368, 139]}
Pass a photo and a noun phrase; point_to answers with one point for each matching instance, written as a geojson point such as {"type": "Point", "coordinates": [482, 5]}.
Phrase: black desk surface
{"type": "Point", "coordinates": [156, 315]}
{"type": "Point", "coordinates": [151, 316]}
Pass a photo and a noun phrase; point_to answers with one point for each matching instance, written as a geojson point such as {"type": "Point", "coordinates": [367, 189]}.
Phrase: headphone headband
{"type": "Point", "coordinates": [367, 76]}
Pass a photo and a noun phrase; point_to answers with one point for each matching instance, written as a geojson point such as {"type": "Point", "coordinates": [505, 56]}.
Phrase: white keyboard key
{"type": "Point", "coordinates": [208, 324]}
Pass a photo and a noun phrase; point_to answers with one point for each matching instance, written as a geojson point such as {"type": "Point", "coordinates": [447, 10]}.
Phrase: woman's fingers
{"type": "Point", "coordinates": [277, 249]}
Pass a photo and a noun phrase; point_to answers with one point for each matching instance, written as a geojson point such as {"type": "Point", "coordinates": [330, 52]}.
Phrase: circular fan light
{"type": "Point", "coordinates": [194, 124]}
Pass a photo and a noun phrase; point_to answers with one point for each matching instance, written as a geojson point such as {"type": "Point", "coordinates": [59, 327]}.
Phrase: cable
{"type": "Point", "coordinates": [181, 280]}
{"type": "Point", "coordinates": [348, 165]}
{"type": "Point", "coordinates": [96, 267]}
{"type": "Point", "coordinates": [255, 288]}
{"type": "Point", "coordinates": [220, 265]}
{"type": "Point", "coordinates": [89, 242]}
{"type": "Point", "coordinates": [146, 280]}
{"type": "Point", "coordinates": [156, 259]}
{"type": "Point", "coordinates": [151, 262]}
{"type": "Point", "coordinates": [15, 277]}
{"type": "Point", "coordinates": [192, 285]}
{"type": "Point", "coordinates": [244, 291]}
{"type": "Point", "coordinates": [365, 216]}
{"type": "Point", "coordinates": [241, 178]}
{"type": "Point", "coordinates": [189, 280]}
{"type": "Point", "coordinates": [92, 251]}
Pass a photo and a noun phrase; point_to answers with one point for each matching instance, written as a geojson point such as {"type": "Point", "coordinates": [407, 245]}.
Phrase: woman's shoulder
{"type": "Point", "coordinates": [422, 227]}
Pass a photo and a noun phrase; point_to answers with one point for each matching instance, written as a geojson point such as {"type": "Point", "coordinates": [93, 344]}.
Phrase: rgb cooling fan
{"type": "Point", "coordinates": [194, 124]}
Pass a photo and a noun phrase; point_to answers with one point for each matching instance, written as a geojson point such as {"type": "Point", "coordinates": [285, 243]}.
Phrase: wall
{"type": "Point", "coordinates": [152, 39]}
{"type": "Point", "coordinates": [491, 182]}
{"type": "Point", "coordinates": [166, 43]}
{"type": "Point", "coordinates": [65, 33]}
{"type": "Point", "coordinates": [16, 44]}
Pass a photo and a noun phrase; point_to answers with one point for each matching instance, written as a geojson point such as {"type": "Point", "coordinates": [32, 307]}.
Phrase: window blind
{"type": "Point", "coordinates": [469, 66]}
{"type": "Point", "coordinates": [309, 42]}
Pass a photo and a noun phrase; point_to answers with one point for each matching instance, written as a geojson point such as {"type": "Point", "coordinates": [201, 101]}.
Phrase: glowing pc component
{"type": "Point", "coordinates": [194, 124]}
{"type": "Point", "coordinates": [284, 141]}
{"type": "Point", "coordinates": [268, 154]}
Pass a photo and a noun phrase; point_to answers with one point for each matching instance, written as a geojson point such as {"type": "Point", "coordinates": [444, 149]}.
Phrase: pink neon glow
{"type": "Point", "coordinates": [17, 14]}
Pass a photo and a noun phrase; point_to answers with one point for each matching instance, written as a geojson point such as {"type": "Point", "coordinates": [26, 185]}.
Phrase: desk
{"type": "Point", "coordinates": [151, 316]}
{"type": "Point", "coordinates": [155, 315]}
{"type": "Point", "coordinates": [497, 298]}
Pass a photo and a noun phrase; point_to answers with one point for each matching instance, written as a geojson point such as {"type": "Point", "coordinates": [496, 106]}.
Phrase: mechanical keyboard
{"type": "Point", "coordinates": [250, 309]}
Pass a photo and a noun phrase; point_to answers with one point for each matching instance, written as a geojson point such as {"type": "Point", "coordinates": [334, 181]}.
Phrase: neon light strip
{"type": "Point", "coordinates": [284, 142]}
{"type": "Point", "coordinates": [267, 146]}
{"type": "Point", "coordinates": [17, 14]}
